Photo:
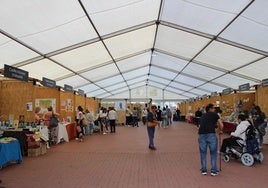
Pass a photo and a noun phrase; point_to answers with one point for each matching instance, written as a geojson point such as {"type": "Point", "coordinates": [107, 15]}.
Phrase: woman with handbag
{"type": "Point", "coordinates": [50, 119]}
{"type": "Point", "coordinates": [151, 124]}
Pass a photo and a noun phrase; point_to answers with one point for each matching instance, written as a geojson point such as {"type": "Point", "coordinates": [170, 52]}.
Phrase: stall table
{"type": "Point", "coordinates": [9, 151]}
{"type": "Point", "coordinates": [71, 130]}
{"type": "Point", "coordinates": [62, 133]}
{"type": "Point", "coordinates": [228, 127]}
{"type": "Point", "coordinates": [20, 134]}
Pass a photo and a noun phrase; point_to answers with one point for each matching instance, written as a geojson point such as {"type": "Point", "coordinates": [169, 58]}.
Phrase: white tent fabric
{"type": "Point", "coordinates": [138, 49]}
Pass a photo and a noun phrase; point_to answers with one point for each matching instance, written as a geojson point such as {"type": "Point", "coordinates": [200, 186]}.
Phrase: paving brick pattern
{"type": "Point", "coordinates": [123, 160]}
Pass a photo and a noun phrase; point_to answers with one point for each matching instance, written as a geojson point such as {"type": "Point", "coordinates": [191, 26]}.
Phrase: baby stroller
{"type": "Point", "coordinates": [248, 151]}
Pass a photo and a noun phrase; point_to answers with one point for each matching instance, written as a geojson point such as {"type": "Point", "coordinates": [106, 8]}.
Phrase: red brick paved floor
{"type": "Point", "coordinates": [123, 160]}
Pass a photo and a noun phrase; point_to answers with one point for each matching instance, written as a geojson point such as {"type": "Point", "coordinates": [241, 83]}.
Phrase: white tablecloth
{"type": "Point", "coordinates": [62, 133]}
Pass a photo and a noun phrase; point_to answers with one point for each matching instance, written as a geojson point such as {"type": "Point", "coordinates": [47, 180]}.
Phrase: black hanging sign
{"type": "Point", "coordinates": [12, 72]}
{"type": "Point", "coordinates": [213, 94]}
{"type": "Point", "coordinates": [68, 88]}
{"type": "Point", "coordinates": [49, 83]}
{"type": "Point", "coordinates": [81, 92]}
{"type": "Point", "coordinates": [244, 87]}
{"type": "Point", "coordinates": [264, 82]}
{"type": "Point", "coordinates": [227, 91]}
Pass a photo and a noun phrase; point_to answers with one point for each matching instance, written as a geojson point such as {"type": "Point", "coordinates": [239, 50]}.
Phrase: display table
{"type": "Point", "coordinates": [71, 130]}
{"type": "Point", "coordinates": [228, 127]}
{"type": "Point", "coordinates": [21, 136]}
{"type": "Point", "coordinates": [190, 119]}
{"type": "Point", "coordinates": [9, 151]}
{"type": "Point", "coordinates": [62, 133]}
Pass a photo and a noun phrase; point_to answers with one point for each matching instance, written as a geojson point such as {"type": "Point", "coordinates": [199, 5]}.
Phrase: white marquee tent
{"type": "Point", "coordinates": [138, 49]}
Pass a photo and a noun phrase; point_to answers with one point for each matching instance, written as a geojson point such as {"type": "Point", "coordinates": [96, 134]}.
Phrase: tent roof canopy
{"type": "Point", "coordinates": [138, 49]}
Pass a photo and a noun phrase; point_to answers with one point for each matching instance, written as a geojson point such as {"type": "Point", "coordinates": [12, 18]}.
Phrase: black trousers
{"type": "Point", "coordinates": [112, 125]}
{"type": "Point", "coordinates": [228, 142]}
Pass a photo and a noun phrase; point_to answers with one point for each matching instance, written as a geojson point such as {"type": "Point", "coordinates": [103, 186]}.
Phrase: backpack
{"type": "Point", "coordinates": [250, 132]}
{"type": "Point", "coordinates": [251, 140]}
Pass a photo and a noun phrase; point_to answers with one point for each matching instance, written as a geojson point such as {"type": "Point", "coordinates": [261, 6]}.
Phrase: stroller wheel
{"type": "Point", "coordinates": [226, 158]}
{"type": "Point", "coordinates": [247, 159]}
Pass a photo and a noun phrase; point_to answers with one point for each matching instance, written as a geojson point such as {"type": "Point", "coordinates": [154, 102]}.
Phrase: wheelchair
{"type": "Point", "coordinates": [248, 152]}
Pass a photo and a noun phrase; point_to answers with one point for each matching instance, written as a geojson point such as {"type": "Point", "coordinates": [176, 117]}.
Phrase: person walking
{"type": "Point", "coordinates": [144, 116]}
{"type": "Point", "coordinates": [151, 124]}
{"type": "Point", "coordinates": [112, 118]}
{"type": "Point", "coordinates": [207, 138]}
{"type": "Point", "coordinates": [90, 118]}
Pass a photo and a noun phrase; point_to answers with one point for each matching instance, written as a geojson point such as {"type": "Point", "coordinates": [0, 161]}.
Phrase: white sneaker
{"type": "Point", "coordinates": [214, 173]}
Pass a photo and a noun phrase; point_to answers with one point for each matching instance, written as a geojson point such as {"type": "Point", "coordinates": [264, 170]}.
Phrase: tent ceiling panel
{"type": "Point", "coordinates": [200, 92]}
{"type": "Point", "coordinates": [101, 73]}
{"type": "Point", "coordinates": [84, 57]}
{"type": "Point", "coordinates": [134, 62]}
{"type": "Point", "coordinates": [201, 71]}
{"type": "Point", "coordinates": [131, 42]}
{"type": "Point", "coordinates": [74, 81]}
{"type": "Point", "coordinates": [162, 73]}
{"type": "Point", "coordinates": [250, 28]}
{"type": "Point", "coordinates": [179, 86]}
{"type": "Point", "coordinates": [255, 70]}
{"type": "Point", "coordinates": [205, 16]}
{"type": "Point", "coordinates": [128, 13]}
{"type": "Point", "coordinates": [114, 87]}
{"type": "Point", "coordinates": [133, 86]}
{"type": "Point", "coordinates": [88, 88]}
{"type": "Point", "coordinates": [136, 73]}
{"type": "Point", "coordinates": [66, 26]}
{"type": "Point", "coordinates": [98, 93]}
{"type": "Point", "coordinates": [225, 56]}
{"type": "Point", "coordinates": [110, 81]}
{"type": "Point", "coordinates": [159, 49]}
{"type": "Point", "coordinates": [168, 62]}
{"type": "Point", "coordinates": [211, 87]}
{"type": "Point", "coordinates": [48, 68]}
{"type": "Point", "coordinates": [12, 52]}
{"type": "Point", "coordinates": [175, 41]}
{"type": "Point", "coordinates": [232, 81]}
{"type": "Point", "coordinates": [161, 80]}
{"type": "Point", "coordinates": [189, 80]}
{"type": "Point", "coordinates": [138, 79]}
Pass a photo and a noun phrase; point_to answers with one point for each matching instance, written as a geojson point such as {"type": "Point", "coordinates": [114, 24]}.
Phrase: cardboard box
{"type": "Point", "coordinates": [34, 152]}
{"type": "Point", "coordinates": [43, 148]}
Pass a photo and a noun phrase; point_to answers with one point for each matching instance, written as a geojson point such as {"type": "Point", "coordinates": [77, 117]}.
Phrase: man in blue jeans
{"type": "Point", "coordinates": [208, 138]}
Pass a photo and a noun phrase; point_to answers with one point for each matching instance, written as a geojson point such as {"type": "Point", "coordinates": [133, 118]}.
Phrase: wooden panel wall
{"type": "Point", "coordinates": [261, 98]}
{"type": "Point", "coordinates": [14, 97]}
{"type": "Point", "coordinates": [227, 103]}
{"type": "Point", "coordinates": [92, 104]}
{"type": "Point", "coordinates": [67, 108]}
